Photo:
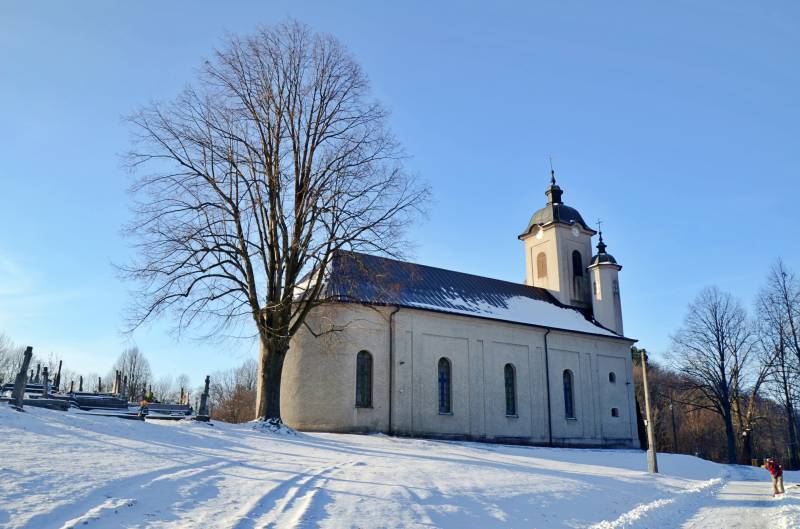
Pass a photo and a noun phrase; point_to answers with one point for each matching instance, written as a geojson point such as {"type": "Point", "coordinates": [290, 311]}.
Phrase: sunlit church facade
{"type": "Point", "coordinates": [407, 349]}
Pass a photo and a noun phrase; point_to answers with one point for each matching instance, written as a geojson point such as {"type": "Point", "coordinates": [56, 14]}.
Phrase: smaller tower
{"type": "Point", "coordinates": [604, 272]}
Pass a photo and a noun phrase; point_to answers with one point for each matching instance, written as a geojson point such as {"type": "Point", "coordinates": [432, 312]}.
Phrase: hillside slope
{"type": "Point", "coordinates": [68, 470]}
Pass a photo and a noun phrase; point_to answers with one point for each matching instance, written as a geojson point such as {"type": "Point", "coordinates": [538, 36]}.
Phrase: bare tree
{"type": "Point", "coordinates": [783, 291]}
{"type": "Point", "coordinates": [10, 355]}
{"type": "Point", "coordinates": [135, 366]}
{"type": "Point", "coordinates": [712, 349]}
{"type": "Point", "coordinates": [181, 387]}
{"type": "Point", "coordinates": [233, 393]}
{"type": "Point", "coordinates": [163, 388]}
{"type": "Point", "coordinates": [779, 323]}
{"type": "Point", "coordinates": [248, 183]}
{"type": "Point", "coordinates": [745, 403]}
{"type": "Point", "coordinates": [90, 382]}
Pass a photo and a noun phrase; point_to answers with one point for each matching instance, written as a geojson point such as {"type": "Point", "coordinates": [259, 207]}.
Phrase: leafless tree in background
{"type": "Point", "coordinates": [747, 392]}
{"type": "Point", "coordinates": [233, 393]}
{"type": "Point", "coordinates": [136, 367]}
{"type": "Point", "coordinates": [90, 382]}
{"type": "Point", "coordinates": [181, 382]}
{"type": "Point", "coordinates": [712, 349]}
{"type": "Point", "coordinates": [10, 355]}
{"type": "Point", "coordinates": [11, 360]}
{"type": "Point", "coordinates": [252, 178]}
{"type": "Point", "coordinates": [779, 323]}
{"type": "Point", "coordinates": [163, 388]}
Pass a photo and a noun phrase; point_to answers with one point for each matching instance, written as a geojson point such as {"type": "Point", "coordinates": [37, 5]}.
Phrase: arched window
{"type": "Point", "coordinates": [511, 390]}
{"type": "Point", "coordinates": [445, 390]}
{"type": "Point", "coordinates": [577, 264]}
{"type": "Point", "coordinates": [612, 377]}
{"type": "Point", "coordinates": [569, 395]}
{"type": "Point", "coordinates": [363, 380]}
{"type": "Point", "coordinates": [541, 265]}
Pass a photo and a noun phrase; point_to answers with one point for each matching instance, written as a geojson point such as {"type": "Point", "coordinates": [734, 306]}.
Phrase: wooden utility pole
{"type": "Point", "coordinates": [652, 462]}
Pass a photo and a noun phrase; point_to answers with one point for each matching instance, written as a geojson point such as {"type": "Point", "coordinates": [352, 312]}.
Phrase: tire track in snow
{"type": "Point", "coordinates": [746, 502]}
{"type": "Point", "coordinates": [124, 493]}
{"type": "Point", "coordinates": [286, 504]}
{"type": "Point", "coordinates": [654, 511]}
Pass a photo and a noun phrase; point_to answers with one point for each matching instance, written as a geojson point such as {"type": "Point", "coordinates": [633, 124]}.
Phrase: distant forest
{"type": "Point", "coordinates": [728, 389]}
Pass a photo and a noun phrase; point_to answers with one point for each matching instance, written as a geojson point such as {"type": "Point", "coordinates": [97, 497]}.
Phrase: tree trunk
{"type": "Point", "coordinates": [794, 463]}
{"type": "Point", "coordinates": [731, 437]}
{"type": "Point", "coordinates": [270, 371]}
{"type": "Point", "coordinates": [747, 447]}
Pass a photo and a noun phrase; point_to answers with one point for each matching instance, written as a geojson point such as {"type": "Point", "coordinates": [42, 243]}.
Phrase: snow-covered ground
{"type": "Point", "coordinates": [69, 470]}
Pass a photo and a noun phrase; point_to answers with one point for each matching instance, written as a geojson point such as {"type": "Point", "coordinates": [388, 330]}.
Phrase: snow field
{"type": "Point", "coordinates": [60, 470]}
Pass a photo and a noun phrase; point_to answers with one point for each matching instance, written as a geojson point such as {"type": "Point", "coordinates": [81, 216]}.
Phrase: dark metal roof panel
{"type": "Point", "coordinates": [556, 213]}
{"type": "Point", "coordinates": [378, 280]}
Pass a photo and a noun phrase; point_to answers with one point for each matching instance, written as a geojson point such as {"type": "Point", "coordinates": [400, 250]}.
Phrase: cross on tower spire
{"type": "Point", "coordinates": [553, 191]}
{"type": "Point", "coordinates": [601, 246]}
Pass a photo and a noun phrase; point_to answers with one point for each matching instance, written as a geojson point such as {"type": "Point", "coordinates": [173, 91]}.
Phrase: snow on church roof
{"type": "Point", "coordinates": [363, 278]}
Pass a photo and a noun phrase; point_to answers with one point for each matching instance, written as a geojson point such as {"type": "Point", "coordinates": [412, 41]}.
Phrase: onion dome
{"type": "Point", "coordinates": [602, 256]}
{"type": "Point", "coordinates": [555, 211]}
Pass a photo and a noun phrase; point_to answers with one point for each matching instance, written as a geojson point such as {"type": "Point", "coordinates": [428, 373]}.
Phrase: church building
{"type": "Point", "coordinates": [407, 349]}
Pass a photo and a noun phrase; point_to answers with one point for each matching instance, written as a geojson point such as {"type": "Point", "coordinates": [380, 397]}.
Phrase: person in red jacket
{"type": "Point", "coordinates": [776, 470]}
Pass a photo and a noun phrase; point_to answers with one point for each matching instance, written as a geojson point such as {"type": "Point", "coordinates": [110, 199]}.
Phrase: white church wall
{"type": "Point", "coordinates": [435, 346]}
{"type": "Point", "coordinates": [594, 395]}
{"type": "Point", "coordinates": [613, 395]}
{"type": "Point", "coordinates": [319, 378]}
{"type": "Point", "coordinates": [561, 359]}
{"type": "Point", "coordinates": [318, 389]}
{"type": "Point", "coordinates": [498, 424]}
{"type": "Point", "coordinates": [496, 344]}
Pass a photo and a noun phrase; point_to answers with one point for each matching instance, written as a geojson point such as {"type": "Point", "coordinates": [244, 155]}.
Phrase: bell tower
{"type": "Point", "coordinates": [558, 247]}
{"type": "Point", "coordinates": [606, 305]}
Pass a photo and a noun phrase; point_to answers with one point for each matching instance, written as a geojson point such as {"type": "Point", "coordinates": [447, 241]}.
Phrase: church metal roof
{"type": "Point", "coordinates": [556, 213]}
{"type": "Point", "coordinates": [603, 257]}
{"type": "Point", "coordinates": [363, 278]}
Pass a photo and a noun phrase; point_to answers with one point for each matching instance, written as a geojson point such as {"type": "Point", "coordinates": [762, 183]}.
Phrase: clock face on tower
{"type": "Point", "coordinates": [575, 231]}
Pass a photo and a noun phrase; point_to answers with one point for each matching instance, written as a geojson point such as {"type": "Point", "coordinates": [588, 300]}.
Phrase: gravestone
{"type": "Point", "coordinates": [18, 395]}
{"type": "Point", "coordinates": [57, 378]}
{"type": "Point", "coordinates": [45, 383]}
{"type": "Point", "coordinates": [202, 413]}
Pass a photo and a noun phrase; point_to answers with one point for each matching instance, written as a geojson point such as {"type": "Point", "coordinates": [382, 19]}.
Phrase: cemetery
{"type": "Point", "coordinates": [40, 389]}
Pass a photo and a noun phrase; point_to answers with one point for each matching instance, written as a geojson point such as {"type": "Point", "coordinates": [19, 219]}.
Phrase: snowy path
{"type": "Point", "coordinates": [746, 501]}
{"type": "Point", "coordinates": [64, 470]}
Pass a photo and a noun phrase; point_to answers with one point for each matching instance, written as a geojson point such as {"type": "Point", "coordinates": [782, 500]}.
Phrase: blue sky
{"type": "Point", "coordinates": [677, 123]}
